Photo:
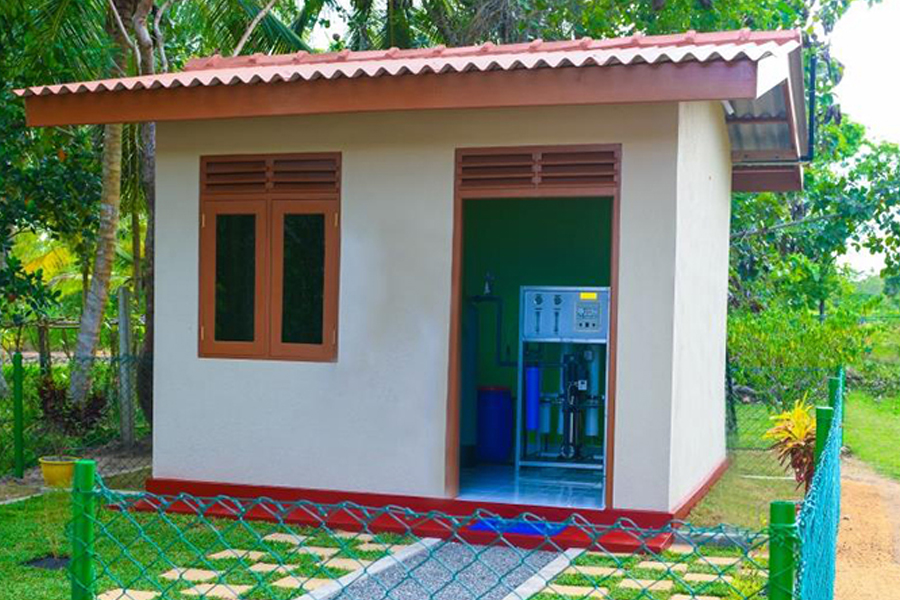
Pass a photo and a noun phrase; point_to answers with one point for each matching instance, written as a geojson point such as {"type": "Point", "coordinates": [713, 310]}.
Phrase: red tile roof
{"type": "Point", "coordinates": [636, 49]}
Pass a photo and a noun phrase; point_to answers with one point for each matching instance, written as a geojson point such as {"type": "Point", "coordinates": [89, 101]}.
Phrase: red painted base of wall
{"type": "Point", "coordinates": [426, 517]}
{"type": "Point", "coordinates": [686, 505]}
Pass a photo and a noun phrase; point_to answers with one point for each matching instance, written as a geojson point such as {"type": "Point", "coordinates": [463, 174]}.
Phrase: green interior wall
{"type": "Point", "coordinates": [559, 241]}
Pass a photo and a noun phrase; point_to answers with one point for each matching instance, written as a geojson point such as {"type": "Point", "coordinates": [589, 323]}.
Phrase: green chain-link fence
{"type": "Point", "coordinates": [756, 394]}
{"type": "Point", "coordinates": [143, 546]}
{"type": "Point", "coordinates": [820, 515]}
{"type": "Point", "coordinates": [138, 545]}
{"type": "Point", "coordinates": [38, 421]}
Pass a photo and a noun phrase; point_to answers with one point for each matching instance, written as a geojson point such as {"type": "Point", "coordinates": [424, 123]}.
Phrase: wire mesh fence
{"type": "Point", "coordinates": [138, 545]}
{"type": "Point", "coordinates": [754, 395]}
{"type": "Point", "coordinates": [109, 426]}
{"type": "Point", "coordinates": [820, 515]}
{"type": "Point", "coordinates": [184, 546]}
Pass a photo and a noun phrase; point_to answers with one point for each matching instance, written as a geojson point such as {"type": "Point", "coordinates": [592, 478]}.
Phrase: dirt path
{"type": "Point", "coordinates": [868, 554]}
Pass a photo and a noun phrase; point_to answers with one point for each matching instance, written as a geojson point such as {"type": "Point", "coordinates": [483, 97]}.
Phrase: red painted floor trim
{"type": "Point", "coordinates": [426, 517]}
{"type": "Point", "coordinates": [684, 509]}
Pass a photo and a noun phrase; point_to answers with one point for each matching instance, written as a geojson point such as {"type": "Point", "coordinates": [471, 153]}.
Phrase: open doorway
{"type": "Point", "coordinates": [534, 350]}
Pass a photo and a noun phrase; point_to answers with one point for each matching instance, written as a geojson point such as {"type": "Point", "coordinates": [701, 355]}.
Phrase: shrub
{"type": "Point", "coordinates": [66, 416]}
{"type": "Point", "coordinates": [781, 354]}
{"type": "Point", "coordinates": [794, 436]}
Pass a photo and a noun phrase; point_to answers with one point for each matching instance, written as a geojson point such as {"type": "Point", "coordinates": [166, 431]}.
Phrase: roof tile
{"type": "Point", "coordinates": [537, 54]}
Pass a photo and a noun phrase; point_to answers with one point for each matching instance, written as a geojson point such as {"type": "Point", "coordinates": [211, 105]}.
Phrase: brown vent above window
{"type": "Point", "coordinates": [562, 167]}
{"type": "Point", "coordinates": [295, 174]}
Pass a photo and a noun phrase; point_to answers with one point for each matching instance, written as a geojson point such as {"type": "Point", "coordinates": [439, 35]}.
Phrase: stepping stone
{"type": "Point", "coordinates": [286, 538]}
{"type": "Point", "coordinates": [378, 546]}
{"type": "Point", "coordinates": [350, 535]}
{"type": "Point", "coordinates": [682, 549]}
{"type": "Point", "coordinates": [189, 575]}
{"type": "Point", "coordinates": [574, 591]}
{"type": "Point", "coordinates": [643, 584]}
{"type": "Point", "coordinates": [686, 597]}
{"type": "Point", "coordinates": [252, 555]}
{"type": "Point", "coordinates": [663, 566]}
{"type": "Point", "coordinates": [349, 564]}
{"type": "Point", "coordinates": [706, 577]}
{"type": "Point", "coordinates": [270, 568]}
{"type": "Point", "coordinates": [218, 590]}
{"type": "Point", "coordinates": [595, 571]}
{"type": "Point", "coordinates": [120, 594]}
{"type": "Point", "coordinates": [295, 583]}
{"type": "Point", "coordinates": [721, 561]}
{"type": "Point", "coordinates": [316, 550]}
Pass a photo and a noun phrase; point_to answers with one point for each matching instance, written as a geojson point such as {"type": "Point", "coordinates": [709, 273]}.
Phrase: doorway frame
{"type": "Point", "coordinates": [460, 196]}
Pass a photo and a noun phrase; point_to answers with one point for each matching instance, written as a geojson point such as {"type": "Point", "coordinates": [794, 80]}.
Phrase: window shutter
{"type": "Point", "coordinates": [298, 174]}
{"type": "Point", "coordinates": [305, 174]}
{"type": "Point", "coordinates": [229, 176]}
{"type": "Point", "coordinates": [537, 169]}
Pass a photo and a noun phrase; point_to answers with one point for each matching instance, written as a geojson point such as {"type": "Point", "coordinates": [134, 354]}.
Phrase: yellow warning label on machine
{"type": "Point", "coordinates": [588, 295]}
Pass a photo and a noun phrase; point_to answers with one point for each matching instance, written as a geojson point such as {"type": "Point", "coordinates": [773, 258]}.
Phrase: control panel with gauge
{"type": "Point", "coordinates": [564, 314]}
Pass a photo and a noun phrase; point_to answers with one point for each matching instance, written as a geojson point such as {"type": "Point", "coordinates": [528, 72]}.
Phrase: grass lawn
{"type": "Point", "coordinates": [729, 573]}
{"type": "Point", "coordinates": [872, 431]}
{"type": "Point", "coordinates": [134, 549]}
{"type": "Point", "coordinates": [743, 494]}
{"type": "Point", "coordinates": [753, 420]}
{"type": "Point", "coordinates": [32, 529]}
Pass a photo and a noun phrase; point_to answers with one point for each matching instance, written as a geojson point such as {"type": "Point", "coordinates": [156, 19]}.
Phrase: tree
{"type": "Point", "coordinates": [121, 37]}
{"type": "Point", "coordinates": [49, 186]}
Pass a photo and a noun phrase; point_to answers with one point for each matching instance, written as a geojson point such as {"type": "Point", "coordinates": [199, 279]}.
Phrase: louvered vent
{"type": "Point", "coordinates": [537, 169]}
{"type": "Point", "coordinates": [234, 176]}
{"type": "Point", "coordinates": [295, 174]}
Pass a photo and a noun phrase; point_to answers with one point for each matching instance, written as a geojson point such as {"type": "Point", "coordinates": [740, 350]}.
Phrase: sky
{"type": "Point", "coordinates": [865, 41]}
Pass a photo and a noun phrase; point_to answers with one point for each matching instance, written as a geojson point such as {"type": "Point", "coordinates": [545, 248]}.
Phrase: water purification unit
{"type": "Point", "coordinates": [563, 366]}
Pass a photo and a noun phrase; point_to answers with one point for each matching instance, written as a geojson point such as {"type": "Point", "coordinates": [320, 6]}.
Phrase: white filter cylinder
{"type": "Point", "coordinates": [561, 422]}
{"type": "Point", "coordinates": [545, 418]}
{"type": "Point", "coordinates": [592, 421]}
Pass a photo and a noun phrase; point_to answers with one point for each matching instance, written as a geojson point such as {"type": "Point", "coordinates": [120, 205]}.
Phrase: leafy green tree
{"type": "Point", "coordinates": [49, 185]}
{"type": "Point", "coordinates": [124, 37]}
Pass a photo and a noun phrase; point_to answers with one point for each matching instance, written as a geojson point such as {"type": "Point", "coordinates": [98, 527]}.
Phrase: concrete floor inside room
{"type": "Point", "coordinates": [543, 486]}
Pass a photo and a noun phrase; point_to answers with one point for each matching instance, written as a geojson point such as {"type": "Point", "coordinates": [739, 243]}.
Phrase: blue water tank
{"type": "Point", "coordinates": [495, 424]}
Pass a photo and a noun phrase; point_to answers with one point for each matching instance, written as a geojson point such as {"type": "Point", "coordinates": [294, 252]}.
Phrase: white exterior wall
{"type": "Point", "coordinates": [375, 419]}
{"type": "Point", "coordinates": [701, 297]}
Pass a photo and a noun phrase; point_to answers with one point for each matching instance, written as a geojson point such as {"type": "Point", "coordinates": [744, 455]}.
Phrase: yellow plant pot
{"type": "Point", "coordinates": [58, 470]}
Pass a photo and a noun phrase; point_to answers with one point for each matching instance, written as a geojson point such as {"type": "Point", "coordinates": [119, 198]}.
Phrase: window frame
{"type": "Point", "coordinates": [270, 207]}
{"type": "Point", "coordinates": [281, 207]}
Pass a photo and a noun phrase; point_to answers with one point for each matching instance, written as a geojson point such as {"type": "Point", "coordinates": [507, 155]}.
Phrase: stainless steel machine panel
{"type": "Point", "coordinates": [565, 314]}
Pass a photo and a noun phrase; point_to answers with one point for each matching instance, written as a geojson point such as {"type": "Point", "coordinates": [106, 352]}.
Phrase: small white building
{"type": "Point", "coordinates": [495, 273]}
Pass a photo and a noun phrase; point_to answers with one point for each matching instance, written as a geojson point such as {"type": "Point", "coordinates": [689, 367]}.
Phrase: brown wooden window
{"type": "Point", "coordinates": [269, 244]}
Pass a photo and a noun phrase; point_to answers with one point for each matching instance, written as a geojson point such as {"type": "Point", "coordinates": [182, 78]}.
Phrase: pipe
{"type": "Point", "coordinates": [498, 349]}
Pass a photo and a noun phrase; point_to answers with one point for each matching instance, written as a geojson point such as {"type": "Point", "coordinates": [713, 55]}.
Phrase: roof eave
{"type": "Point", "coordinates": [619, 84]}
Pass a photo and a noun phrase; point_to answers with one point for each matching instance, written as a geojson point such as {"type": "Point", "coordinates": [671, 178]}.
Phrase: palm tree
{"type": "Point", "coordinates": [133, 33]}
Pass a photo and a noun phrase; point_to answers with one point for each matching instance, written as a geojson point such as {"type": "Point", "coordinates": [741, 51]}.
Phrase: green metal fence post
{"type": "Point", "coordinates": [18, 417]}
{"type": "Point", "coordinates": [782, 519]}
{"type": "Point", "coordinates": [842, 394]}
{"type": "Point", "coordinates": [824, 417]}
{"type": "Point", "coordinates": [84, 511]}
